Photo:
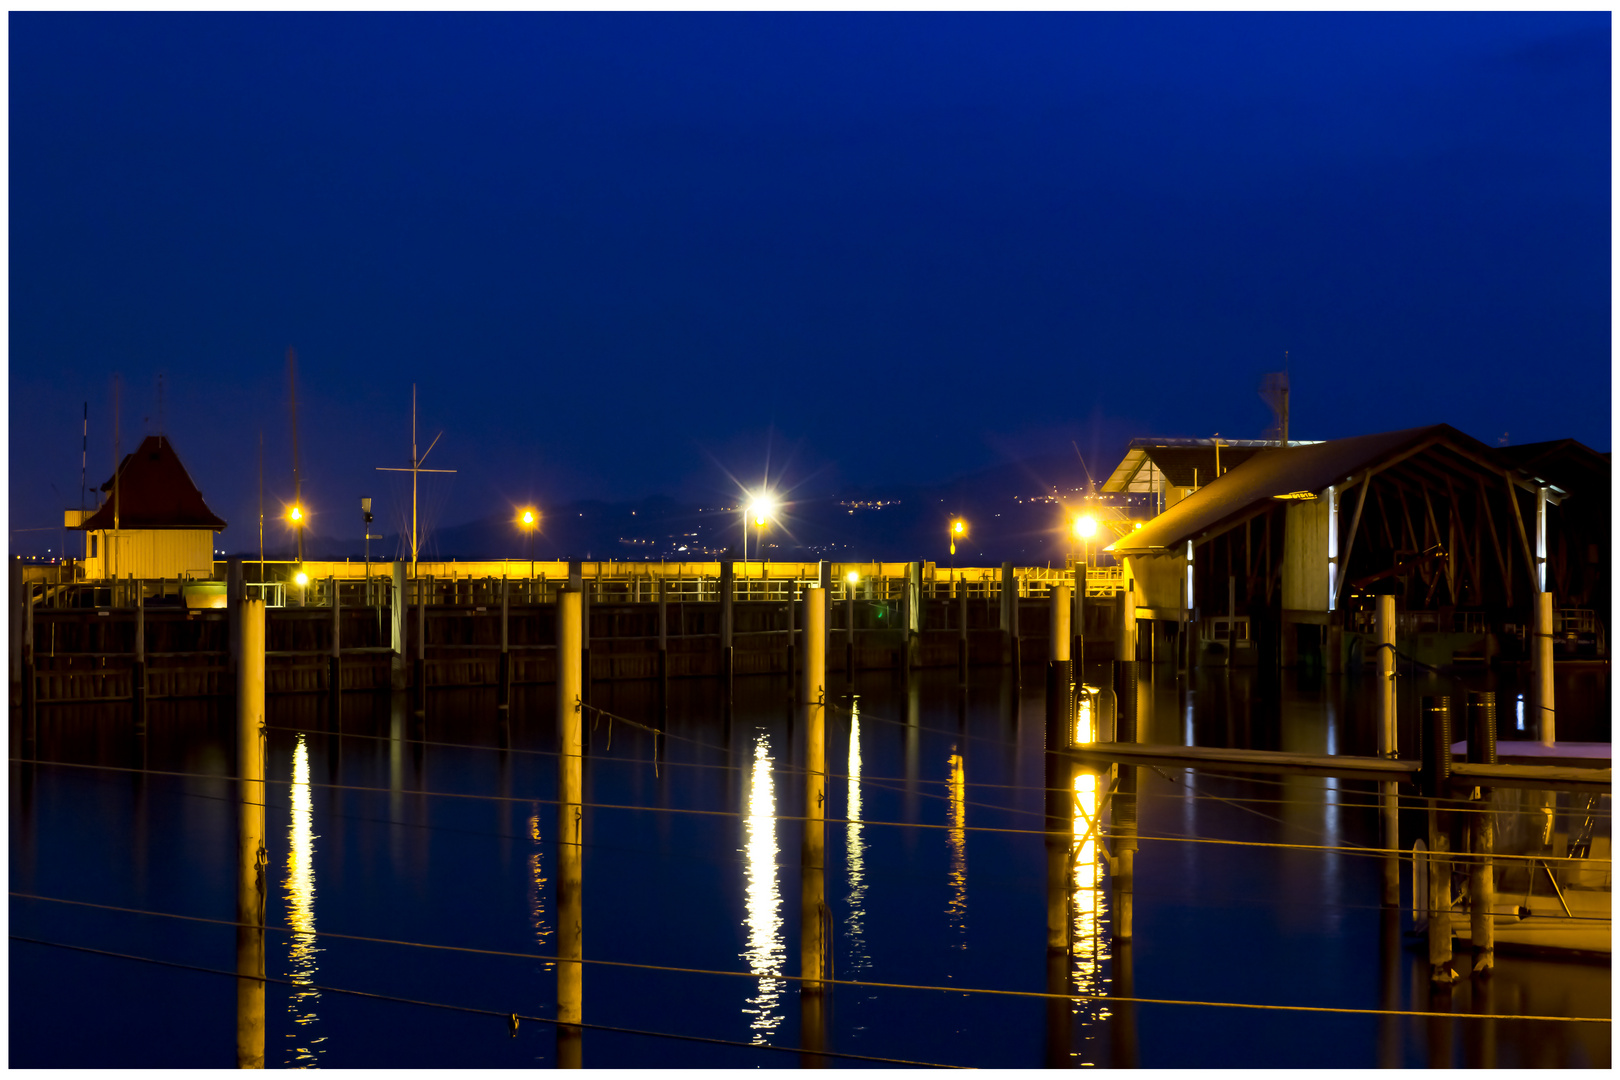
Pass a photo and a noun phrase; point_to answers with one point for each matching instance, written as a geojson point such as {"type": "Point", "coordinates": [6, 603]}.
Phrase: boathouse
{"type": "Point", "coordinates": [152, 522]}
{"type": "Point", "coordinates": [1281, 558]}
{"type": "Point", "coordinates": [1172, 469]}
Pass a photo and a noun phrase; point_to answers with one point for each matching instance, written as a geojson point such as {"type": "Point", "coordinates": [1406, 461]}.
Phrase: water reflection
{"type": "Point", "coordinates": [537, 893]}
{"type": "Point", "coordinates": [956, 837]}
{"type": "Point", "coordinates": [766, 948]}
{"type": "Point", "coordinates": [1088, 945]}
{"type": "Point", "coordinates": [855, 852]}
{"type": "Point", "coordinates": [300, 889]}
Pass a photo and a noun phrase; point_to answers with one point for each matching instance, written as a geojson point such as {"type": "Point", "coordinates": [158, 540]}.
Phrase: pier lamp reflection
{"type": "Point", "coordinates": [537, 893]}
{"type": "Point", "coordinates": [855, 850]}
{"type": "Point", "coordinates": [956, 837]}
{"type": "Point", "coordinates": [766, 948]}
{"type": "Point", "coordinates": [1089, 947]}
{"type": "Point", "coordinates": [300, 889]}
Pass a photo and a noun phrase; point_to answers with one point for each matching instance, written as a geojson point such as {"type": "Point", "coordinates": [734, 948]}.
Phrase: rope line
{"type": "Point", "coordinates": [507, 1016]}
{"type": "Point", "coordinates": [1044, 995]}
{"type": "Point", "coordinates": [943, 826]}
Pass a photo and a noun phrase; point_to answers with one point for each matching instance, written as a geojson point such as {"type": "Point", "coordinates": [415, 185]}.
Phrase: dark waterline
{"type": "Point", "coordinates": [716, 887]}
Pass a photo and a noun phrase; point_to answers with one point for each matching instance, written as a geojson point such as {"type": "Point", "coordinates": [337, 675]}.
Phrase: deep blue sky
{"type": "Point", "coordinates": [622, 254]}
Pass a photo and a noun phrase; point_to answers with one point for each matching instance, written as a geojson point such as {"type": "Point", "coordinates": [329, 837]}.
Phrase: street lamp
{"type": "Point", "coordinates": [296, 516]}
{"type": "Point", "coordinates": [760, 509]}
{"type": "Point", "coordinates": [529, 521]}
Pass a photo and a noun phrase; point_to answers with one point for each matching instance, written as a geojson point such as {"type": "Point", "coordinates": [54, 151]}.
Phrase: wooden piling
{"type": "Point", "coordinates": [663, 649]}
{"type": "Point", "coordinates": [138, 678]}
{"type": "Point", "coordinates": [1542, 655]}
{"type": "Point", "coordinates": [396, 622]}
{"type": "Point", "coordinates": [813, 915]}
{"type": "Point", "coordinates": [1482, 834]}
{"type": "Point", "coordinates": [251, 864]}
{"type": "Point", "coordinates": [334, 682]}
{"type": "Point", "coordinates": [30, 668]}
{"type": "Point", "coordinates": [962, 632]}
{"type": "Point", "coordinates": [728, 611]}
{"type": "Point", "coordinates": [1388, 747]}
{"type": "Point", "coordinates": [1009, 620]}
{"type": "Point", "coordinates": [849, 630]}
{"type": "Point", "coordinates": [1125, 679]}
{"type": "Point", "coordinates": [419, 682]}
{"type": "Point", "coordinates": [503, 692]}
{"type": "Point", "coordinates": [570, 826]}
{"type": "Point", "coordinates": [1436, 780]}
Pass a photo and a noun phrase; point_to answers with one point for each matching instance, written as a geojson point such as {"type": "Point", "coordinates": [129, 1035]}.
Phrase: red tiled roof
{"type": "Point", "coordinates": [154, 492]}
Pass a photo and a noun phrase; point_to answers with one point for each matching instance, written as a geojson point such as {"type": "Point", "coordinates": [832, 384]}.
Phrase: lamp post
{"type": "Point", "coordinates": [760, 509]}
{"type": "Point", "coordinates": [529, 521]}
{"type": "Point", "coordinates": [958, 531]}
{"type": "Point", "coordinates": [296, 516]}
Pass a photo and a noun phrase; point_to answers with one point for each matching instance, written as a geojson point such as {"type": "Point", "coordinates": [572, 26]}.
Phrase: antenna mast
{"type": "Point", "coordinates": [261, 504]}
{"type": "Point", "coordinates": [415, 468]}
{"type": "Point", "coordinates": [84, 459]}
{"type": "Point", "coordinates": [298, 485]}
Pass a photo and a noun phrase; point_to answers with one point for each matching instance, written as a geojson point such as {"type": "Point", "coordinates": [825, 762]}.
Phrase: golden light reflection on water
{"type": "Point", "coordinates": [537, 892]}
{"type": "Point", "coordinates": [956, 837]}
{"type": "Point", "coordinates": [300, 892]}
{"type": "Point", "coordinates": [766, 949]}
{"type": "Point", "coordinates": [855, 852]}
{"type": "Point", "coordinates": [1089, 943]}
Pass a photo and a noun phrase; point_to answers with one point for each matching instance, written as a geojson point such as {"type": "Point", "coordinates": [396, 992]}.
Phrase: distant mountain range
{"type": "Point", "coordinates": [1015, 513]}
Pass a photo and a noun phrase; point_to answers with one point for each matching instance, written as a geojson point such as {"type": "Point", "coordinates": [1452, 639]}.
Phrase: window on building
{"type": "Point", "coordinates": [92, 545]}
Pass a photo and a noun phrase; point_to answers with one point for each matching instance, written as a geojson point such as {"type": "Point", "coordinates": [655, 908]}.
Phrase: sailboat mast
{"type": "Point", "coordinates": [415, 465]}
{"type": "Point", "coordinates": [298, 485]}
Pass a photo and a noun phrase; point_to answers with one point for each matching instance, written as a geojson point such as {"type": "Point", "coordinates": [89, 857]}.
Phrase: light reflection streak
{"type": "Point", "coordinates": [537, 893]}
{"type": "Point", "coordinates": [855, 852]}
{"type": "Point", "coordinates": [956, 837]}
{"type": "Point", "coordinates": [766, 949]}
{"type": "Point", "coordinates": [1088, 942]}
{"type": "Point", "coordinates": [300, 890]}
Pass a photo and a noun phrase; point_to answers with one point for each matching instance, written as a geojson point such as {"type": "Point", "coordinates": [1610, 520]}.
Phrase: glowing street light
{"type": "Point", "coordinates": [296, 516]}
{"type": "Point", "coordinates": [760, 510]}
{"type": "Point", "coordinates": [529, 521]}
{"type": "Point", "coordinates": [301, 579]}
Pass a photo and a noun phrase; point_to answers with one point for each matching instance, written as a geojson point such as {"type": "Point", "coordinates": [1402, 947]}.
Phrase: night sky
{"type": "Point", "coordinates": [627, 254]}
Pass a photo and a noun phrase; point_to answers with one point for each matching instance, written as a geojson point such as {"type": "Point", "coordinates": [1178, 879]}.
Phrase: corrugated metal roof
{"type": "Point", "coordinates": [154, 492]}
{"type": "Point", "coordinates": [1271, 473]}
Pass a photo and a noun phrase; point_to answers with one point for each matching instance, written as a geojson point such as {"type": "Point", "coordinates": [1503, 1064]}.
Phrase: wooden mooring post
{"type": "Point", "coordinates": [503, 677]}
{"type": "Point", "coordinates": [1388, 747]}
{"type": "Point", "coordinates": [1542, 663]}
{"type": "Point", "coordinates": [334, 675]}
{"type": "Point", "coordinates": [251, 863]}
{"type": "Point", "coordinates": [570, 826]}
{"type": "Point", "coordinates": [962, 632]}
{"type": "Point", "coordinates": [814, 916]}
{"type": "Point", "coordinates": [396, 623]}
{"type": "Point", "coordinates": [1482, 834]}
{"type": "Point", "coordinates": [663, 650]}
{"type": "Point", "coordinates": [419, 683]}
{"type": "Point", "coordinates": [1059, 773]}
{"type": "Point", "coordinates": [728, 614]}
{"type": "Point", "coordinates": [1436, 779]}
{"type": "Point", "coordinates": [138, 676]}
{"type": "Point", "coordinates": [1009, 620]}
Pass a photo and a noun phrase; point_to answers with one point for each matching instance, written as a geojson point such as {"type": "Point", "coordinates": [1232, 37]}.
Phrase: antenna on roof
{"type": "Point", "coordinates": [84, 458]}
{"type": "Point", "coordinates": [1091, 484]}
{"type": "Point", "coordinates": [1274, 392]}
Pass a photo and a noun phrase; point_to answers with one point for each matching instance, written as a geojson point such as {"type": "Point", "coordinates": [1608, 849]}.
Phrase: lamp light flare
{"type": "Point", "coordinates": [296, 514]}
{"type": "Point", "coordinates": [1085, 527]}
{"type": "Point", "coordinates": [301, 579]}
{"type": "Point", "coordinates": [529, 518]}
{"type": "Point", "coordinates": [853, 577]}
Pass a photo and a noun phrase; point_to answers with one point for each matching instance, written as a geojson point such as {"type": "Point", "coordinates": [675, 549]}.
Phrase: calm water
{"type": "Point", "coordinates": [938, 881]}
